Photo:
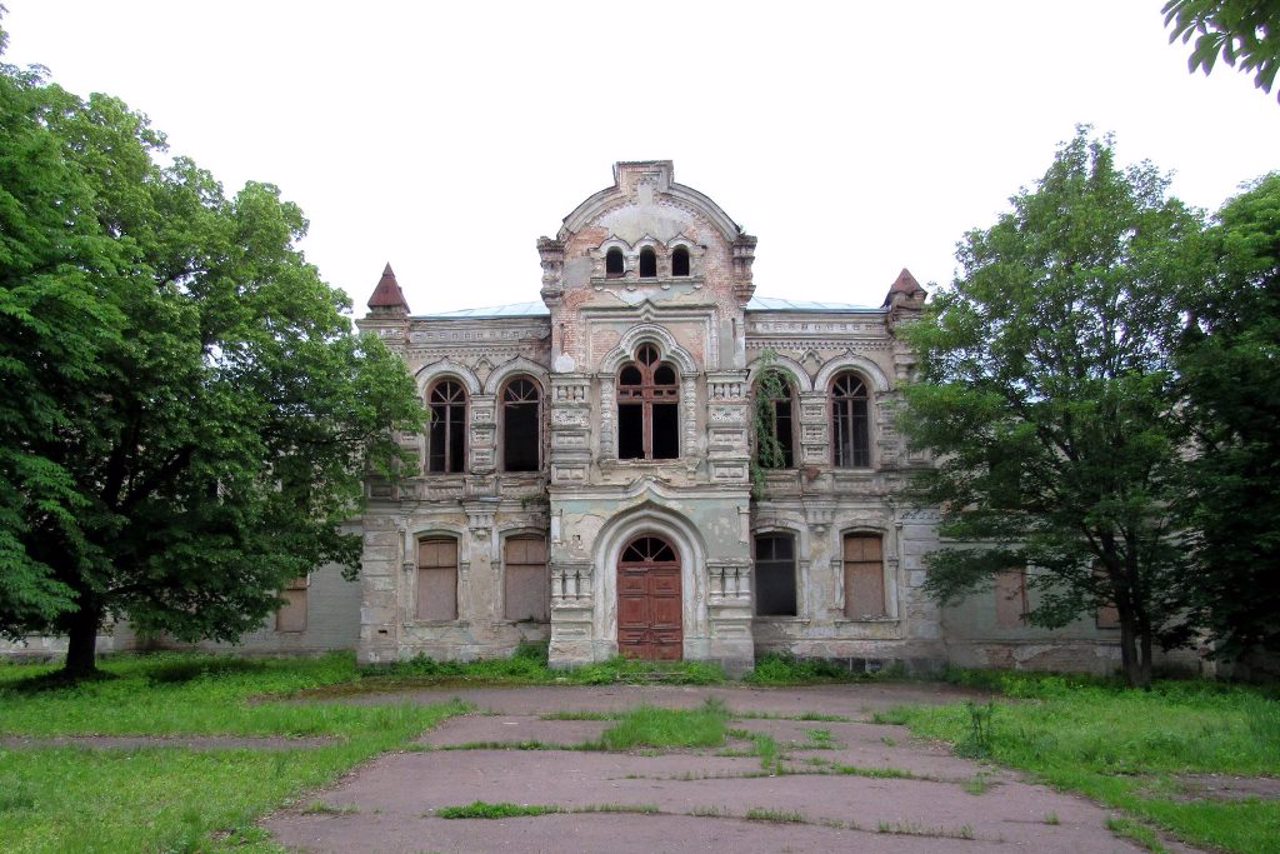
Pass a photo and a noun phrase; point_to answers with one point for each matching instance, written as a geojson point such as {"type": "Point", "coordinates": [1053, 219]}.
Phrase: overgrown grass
{"type": "Point", "coordinates": [482, 809]}
{"type": "Point", "coordinates": [647, 726]}
{"type": "Point", "coordinates": [169, 798]}
{"type": "Point", "coordinates": [780, 669]}
{"type": "Point", "coordinates": [1125, 748]}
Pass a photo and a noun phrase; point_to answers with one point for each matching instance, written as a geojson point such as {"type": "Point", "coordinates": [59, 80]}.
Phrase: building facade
{"type": "Point", "coordinates": [587, 478]}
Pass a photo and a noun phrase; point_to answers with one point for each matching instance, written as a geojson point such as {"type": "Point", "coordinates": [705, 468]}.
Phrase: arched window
{"type": "Point", "coordinates": [447, 432]}
{"type": "Point", "coordinates": [648, 263]}
{"type": "Point", "coordinates": [680, 261]}
{"type": "Point", "coordinates": [775, 422]}
{"type": "Point", "coordinates": [521, 423]}
{"type": "Point", "coordinates": [850, 430]}
{"type": "Point", "coordinates": [648, 408]}
{"type": "Point", "coordinates": [614, 267]}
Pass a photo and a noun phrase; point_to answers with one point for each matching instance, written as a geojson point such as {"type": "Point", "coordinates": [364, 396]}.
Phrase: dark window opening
{"type": "Point", "coordinates": [613, 264]}
{"type": "Point", "coordinates": [849, 423]}
{"type": "Point", "coordinates": [521, 417]}
{"type": "Point", "coordinates": [446, 435]}
{"type": "Point", "coordinates": [776, 450]}
{"type": "Point", "coordinates": [648, 408]}
{"type": "Point", "coordinates": [775, 575]}
{"type": "Point", "coordinates": [680, 261]}
{"type": "Point", "coordinates": [648, 550]}
{"type": "Point", "coordinates": [648, 263]}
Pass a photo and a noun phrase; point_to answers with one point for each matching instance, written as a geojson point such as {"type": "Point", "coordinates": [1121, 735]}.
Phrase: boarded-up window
{"type": "Point", "coordinates": [775, 575]}
{"type": "Point", "coordinates": [863, 577]}
{"type": "Point", "coordinates": [526, 584]}
{"type": "Point", "coordinates": [438, 579]}
{"type": "Point", "coordinates": [1108, 615]}
{"type": "Point", "coordinates": [1011, 597]}
{"type": "Point", "coordinates": [292, 616]}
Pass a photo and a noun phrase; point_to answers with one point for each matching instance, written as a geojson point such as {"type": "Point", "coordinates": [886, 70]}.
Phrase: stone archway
{"type": "Point", "coordinates": [650, 606]}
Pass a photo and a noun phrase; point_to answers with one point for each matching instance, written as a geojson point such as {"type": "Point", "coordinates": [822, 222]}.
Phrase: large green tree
{"type": "Point", "coordinates": [1231, 365]}
{"type": "Point", "coordinates": [1243, 31]}
{"type": "Point", "coordinates": [1046, 391]}
{"type": "Point", "coordinates": [185, 413]}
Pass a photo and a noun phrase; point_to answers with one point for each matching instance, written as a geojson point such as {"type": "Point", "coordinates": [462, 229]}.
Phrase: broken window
{"type": "Point", "coordinates": [680, 261]}
{"type": "Point", "coordinates": [521, 422]}
{"type": "Point", "coordinates": [648, 263]}
{"type": "Point", "coordinates": [526, 582]}
{"type": "Point", "coordinates": [775, 449]}
{"type": "Point", "coordinates": [775, 575]}
{"type": "Point", "coordinates": [1011, 597]}
{"type": "Point", "coordinates": [849, 426]}
{"type": "Point", "coordinates": [446, 434]}
{"type": "Point", "coordinates": [292, 616]}
{"type": "Point", "coordinates": [614, 267]}
{"type": "Point", "coordinates": [438, 579]}
{"type": "Point", "coordinates": [864, 577]}
{"type": "Point", "coordinates": [648, 408]}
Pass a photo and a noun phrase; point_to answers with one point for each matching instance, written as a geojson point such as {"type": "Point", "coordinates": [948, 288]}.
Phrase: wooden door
{"type": "Point", "coordinates": [650, 616]}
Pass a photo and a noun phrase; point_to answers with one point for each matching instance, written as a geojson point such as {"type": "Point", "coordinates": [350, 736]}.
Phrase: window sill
{"type": "Point", "coordinates": [840, 621]}
{"type": "Point", "coordinates": [766, 618]}
{"type": "Point", "coordinates": [434, 623]}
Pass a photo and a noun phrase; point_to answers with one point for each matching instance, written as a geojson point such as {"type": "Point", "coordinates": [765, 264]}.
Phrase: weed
{"type": "Point", "coordinates": [580, 716]}
{"type": "Point", "coordinates": [819, 739]}
{"type": "Point", "coordinates": [648, 726]}
{"type": "Point", "coordinates": [641, 809]}
{"type": "Point", "coordinates": [979, 742]}
{"type": "Point", "coordinates": [979, 785]}
{"type": "Point", "coordinates": [709, 812]}
{"type": "Point", "coordinates": [322, 808]}
{"type": "Point", "coordinates": [1138, 832]}
{"type": "Point", "coordinates": [888, 741]}
{"type": "Point", "coordinates": [774, 816]}
{"type": "Point", "coordinates": [767, 750]}
{"type": "Point", "coordinates": [879, 773]}
{"type": "Point", "coordinates": [781, 669]}
{"type": "Point", "coordinates": [912, 828]}
{"type": "Point", "coordinates": [818, 716]}
{"type": "Point", "coordinates": [1052, 818]}
{"type": "Point", "coordinates": [481, 809]}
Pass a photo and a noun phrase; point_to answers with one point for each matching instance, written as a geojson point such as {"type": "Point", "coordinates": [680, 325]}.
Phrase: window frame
{"type": "Point", "coordinates": [793, 565]}
{"type": "Point", "coordinates": [646, 395]}
{"type": "Point", "coordinates": [507, 435]}
{"type": "Point", "coordinates": [545, 574]}
{"type": "Point", "coordinates": [647, 261]}
{"type": "Point", "coordinates": [461, 399]}
{"type": "Point", "coordinates": [681, 251]}
{"type": "Point", "coordinates": [881, 564]}
{"type": "Point", "coordinates": [615, 252]}
{"type": "Point", "coordinates": [844, 410]}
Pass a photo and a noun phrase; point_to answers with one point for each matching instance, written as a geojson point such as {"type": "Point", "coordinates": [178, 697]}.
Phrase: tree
{"type": "Point", "coordinates": [1244, 30]}
{"type": "Point", "coordinates": [185, 414]}
{"type": "Point", "coordinates": [1046, 391]}
{"type": "Point", "coordinates": [1229, 361]}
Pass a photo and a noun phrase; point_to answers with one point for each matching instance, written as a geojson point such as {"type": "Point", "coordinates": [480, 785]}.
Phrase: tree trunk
{"type": "Point", "coordinates": [82, 639]}
{"type": "Point", "coordinates": [1129, 651]}
{"type": "Point", "coordinates": [1145, 673]}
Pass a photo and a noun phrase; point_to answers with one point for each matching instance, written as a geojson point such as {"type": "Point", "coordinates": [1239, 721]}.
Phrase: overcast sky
{"type": "Point", "coordinates": [852, 138]}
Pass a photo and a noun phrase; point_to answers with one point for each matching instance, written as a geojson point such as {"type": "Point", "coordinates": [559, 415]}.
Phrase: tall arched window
{"type": "Point", "coordinates": [648, 263]}
{"type": "Point", "coordinates": [521, 422]}
{"type": "Point", "coordinates": [850, 430]}
{"type": "Point", "coordinates": [648, 408]}
{"type": "Point", "coordinates": [614, 267]}
{"type": "Point", "coordinates": [680, 261]}
{"type": "Point", "coordinates": [447, 432]}
{"type": "Point", "coordinates": [775, 439]}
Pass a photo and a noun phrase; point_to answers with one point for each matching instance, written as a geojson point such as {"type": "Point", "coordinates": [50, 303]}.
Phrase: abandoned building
{"type": "Point", "coordinates": [587, 478]}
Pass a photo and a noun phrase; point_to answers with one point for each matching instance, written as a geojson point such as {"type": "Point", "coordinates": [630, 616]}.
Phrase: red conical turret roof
{"type": "Point", "coordinates": [387, 295]}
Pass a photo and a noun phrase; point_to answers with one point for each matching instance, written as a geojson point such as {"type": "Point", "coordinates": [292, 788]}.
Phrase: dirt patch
{"type": "Point", "coordinates": [186, 742]}
{"type": "Point", "coordinates": [1224, 787]}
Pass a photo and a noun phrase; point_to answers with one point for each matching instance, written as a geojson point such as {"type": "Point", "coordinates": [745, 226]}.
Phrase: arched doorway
{"type": "Point", "coordinates": [649, 602]}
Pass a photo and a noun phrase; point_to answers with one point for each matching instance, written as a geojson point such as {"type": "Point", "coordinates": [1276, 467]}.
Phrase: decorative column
{"type": "Point", "coordinates": [728, 445]}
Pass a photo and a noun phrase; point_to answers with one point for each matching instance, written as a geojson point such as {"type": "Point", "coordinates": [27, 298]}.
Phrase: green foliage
{"type": "Point", "coordinates": [482, 809]}
{"type": "Point", "coordinates": [172, 798]}
{"type": "Point", "coordinates": [767, 451]}
{"type": "Point", "coordinates": [630, 670]}
{"type": "Point", "coordinates": [1228, 360]}
{"type": "Point", "coordinates": [1047, 392]}
{"type": "Point", "coordinates": [777, 668]}
{"type": "Point", "coordinates": [1125, 748]}
{"type": "Point", "coordinates": [186, 415]}
{"type": "Point", "coordinates": [648, 726]}
{"type": "Point", "coordinates": [1247, 31]}
{"type": "Point", "coordinates": [977, 744]}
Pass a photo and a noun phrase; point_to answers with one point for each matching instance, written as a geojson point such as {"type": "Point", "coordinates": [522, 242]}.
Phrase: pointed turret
{"type": "Point", "coordinates": [905, 292]}
{"type": "Point", "coordinates": [387, 297]}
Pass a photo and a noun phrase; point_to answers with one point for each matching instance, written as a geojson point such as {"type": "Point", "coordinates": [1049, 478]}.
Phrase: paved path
{"type": "Point", "coordinates": [847, 785]}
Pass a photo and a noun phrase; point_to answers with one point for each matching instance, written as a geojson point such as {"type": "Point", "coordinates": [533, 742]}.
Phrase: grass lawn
{"type": "Point", "coordinates": [170, 798]}
{"type": "Point", "coordinates": [1129, 749]}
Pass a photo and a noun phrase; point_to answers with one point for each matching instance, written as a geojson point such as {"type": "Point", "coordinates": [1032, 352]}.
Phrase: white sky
{"type": "Point", "coordinates": [852, 138]}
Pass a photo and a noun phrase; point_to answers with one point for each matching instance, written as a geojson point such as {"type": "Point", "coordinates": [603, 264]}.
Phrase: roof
{"type": "Point", "coordinates": [779, 304]}
{"type": "Point", "coordinates": [515, 309]}
{"type": "Point", "coordinates": [387, 294]}
{"type": "Point", "coordinates": [538, 309]}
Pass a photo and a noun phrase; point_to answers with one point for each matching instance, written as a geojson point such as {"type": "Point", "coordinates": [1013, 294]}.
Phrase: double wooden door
{"type": "Point", "coordinates": [650, 621]}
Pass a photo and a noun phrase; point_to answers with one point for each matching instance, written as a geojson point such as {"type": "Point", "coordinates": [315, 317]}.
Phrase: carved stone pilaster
{"type": "Point", "coordinates": [570, 428]}
{"type": "Point", "coordinates": [728, 441]}
{"type": "Point", "coordinates": [815, 444]}
{"type": "Point", "coordinates": [551, 253]}
{"type": "Point", "coordinates": [608, 410]}
{"type": "Point", "coordinates": [483, 435]}
{"type": "Point", "coordinates": [744, 255]}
